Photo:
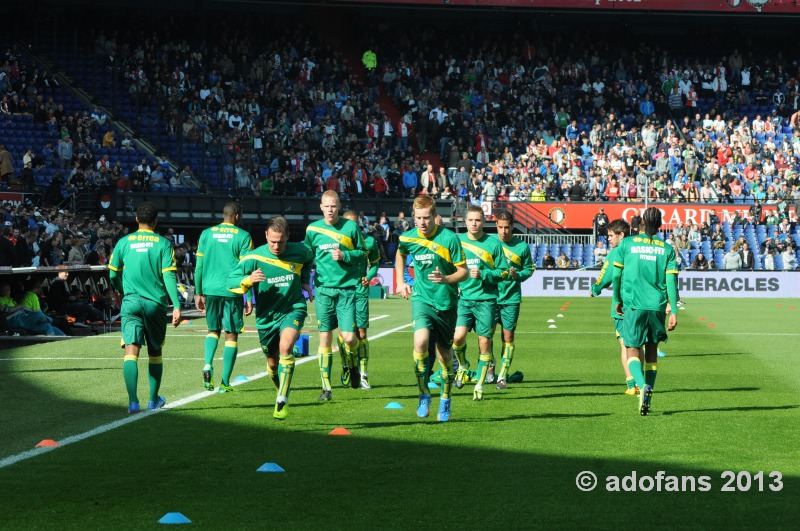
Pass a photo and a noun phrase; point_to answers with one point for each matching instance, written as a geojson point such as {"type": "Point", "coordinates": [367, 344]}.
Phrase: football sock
{"type": "Point", "coordinates": [351, 356]}
{"type": "Point", "coordinates": [363, 357]}
{"type": "Point", "coordinates": [130, 371]}
{"type": "Point", "coordinates": [630, 382]}
{"type": "Point", "coordinates": [420, 369]}
{"type": "Point", "coordinates": [325, 362]}
{"type": "Point", "coordinates": [650, 374]}
{"type": "Point", "coordinates": [483, 367]}
{"type": "Point", "coordinates": [273, 375]}
{"type": "Point", "coordinates": [448, 375]}
{"type": "Point", "coordinates": [461, 355]}
{"type": "Point", "coordinates": [635, 366]}
{"type": "Point", "coordinates": [229, 360]}
{"type": "Point", "coordinates": [209, 348]}
{"type": "Point", "coordinates": [342, 350]}
{"type": "Point", "coordinates": [505, 362]}
{"type": "Point", "coordinates": [285, 371]}
{"type": "Point", "coordinates": [155, 369]}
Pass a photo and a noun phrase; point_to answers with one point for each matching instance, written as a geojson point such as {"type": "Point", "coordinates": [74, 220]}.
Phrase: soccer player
{"type": "Point", "coordinates": [339, 252]}
{"type": "Point", "coordinates": [278, 271]}
{"type": "Point", "coordinates": [219, 250]}
{"type": "Point", "coordinates": [521, 268]}
{"type": "Point", "coordinates": [645, 280]}
{"type": "Point", "coordinates": [372, 260]}
{"type": "Point", "coordinates": [477, 306]}
{"type": "Point", "coordinates": [142, 268]}
{"type": "Point", "coordinates": [617, 230]}
{"type": "Point", "coordinates": [439, 265]}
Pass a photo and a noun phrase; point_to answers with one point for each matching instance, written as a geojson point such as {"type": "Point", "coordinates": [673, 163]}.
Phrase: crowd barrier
{"type": "Point", "coordinates": [706, 284]}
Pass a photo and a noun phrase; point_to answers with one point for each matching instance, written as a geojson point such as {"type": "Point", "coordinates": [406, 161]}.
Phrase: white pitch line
{"type": "Point", "coordinates": [10, 460]}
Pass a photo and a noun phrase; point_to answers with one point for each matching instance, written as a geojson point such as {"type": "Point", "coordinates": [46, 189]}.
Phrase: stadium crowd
{"type": "Point", "coordinates": [570, 118]}
{"type": "Point", "coordinates": [511, 117]}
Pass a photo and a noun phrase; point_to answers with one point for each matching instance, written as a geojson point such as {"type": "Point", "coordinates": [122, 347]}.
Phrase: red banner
{"type": "Point", "coordinates": [581, 215]}
{"type": "Point", "coordinates": [12, 197]}
{"type": "Point", "coordinates": [728, 6]}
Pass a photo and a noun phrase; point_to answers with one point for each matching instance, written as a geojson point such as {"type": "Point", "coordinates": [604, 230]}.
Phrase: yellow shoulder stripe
{"type": "Point", "coordinates": [112, 268]}
{"type": "Point", "coordinates": [443, 252]}
{"type": "Point", "coordinates": [513, 258]}
{"type": "Point", "coordinates": [672, 272]}
{"type": "Point", "coordinates": [332, 234]}
{"type": "Point", "coordinates": [292, 267]}
{"type": "Point", "coordinates": [617, 264]}
{"type": "Point", "coordinates": [173, 268]}
{"type": "Point", "coordinates": [484, 255]}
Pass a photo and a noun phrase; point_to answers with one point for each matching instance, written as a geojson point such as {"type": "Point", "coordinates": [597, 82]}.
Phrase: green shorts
{"type": "Point", "coordinates": [442, 323]}
{"type": "Point", "coordinates": [618, 327]}
{"type": "Point", "coordinates": [336, 307]}
{"type": "Point", "coordinates": [643, 326]}
{"type": "Point", "coordinates": [509, 315]}
{"type": "Point", "coordinates": [269, 336]}
{"type": "Point", "coordinates": [225, 313]}
{"type": "Point", "coordinates": [144, 322]}
{"type": "Point", "coordinates": [362, 311]}
{"type": "Point", "coordinates": [481, 316]}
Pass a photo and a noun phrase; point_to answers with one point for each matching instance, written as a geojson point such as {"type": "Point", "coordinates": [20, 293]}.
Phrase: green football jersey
{"type": "Point", "coordinates": [487, 255]}
{"type": "Point", "coordinates": [143, 259]}
{"type": "Point", "coordinates": [219, 250]}
{"type": "Point", "coordinates": [442, 250]}
{"type": "Point", "coordinates": [282, 290]}
{"type": "Point", "coordinates": [643, 265]}
{"type": "Point", "coordinates": [369, 264]}
{"type": "Point", "coordinates": [344, 235]}
{"type": "Point", "coordinates": [604, 279]}
{"type": "Point", "coordinates": [518, 256]}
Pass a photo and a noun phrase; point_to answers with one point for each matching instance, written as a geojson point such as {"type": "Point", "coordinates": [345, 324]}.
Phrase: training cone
{"type": "Point", "coordinates": [174, 518]}
{"type": "Point", "coordinates": [552, 326]}
{"type": "Point", "coordinates": [339, 431]}
{"type": "Point", "coordinates": [394, 405]}
{"type": "Point", "coordinates": [560, 315]}
{"type": "Point", "coordinates": [433, 385]}
{"type": "Point", "coordinates": [47, 443]}
{"type": "Point", "coordinates": [270, 467]}
{"type": "Point", "coordinates": [241, 378]}
{"type": "Point", "coordinates": [551, 320]}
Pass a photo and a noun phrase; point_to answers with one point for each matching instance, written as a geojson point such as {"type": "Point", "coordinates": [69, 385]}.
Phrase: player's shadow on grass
{"type": "Point", "coordinates": [432, 420]}
{"type": "Point", "coordinates": [62, 370]}
{"type": "Point", "coordinates": [505, 396]}
{"type": "Point", "coordinates": [704, 354]}
{"type": "Point", "coordinates": [574, 385]}
{"type": "Point", "coordinates": [732, 409]}
{"type": "Point", "coordinates": [708, 390]}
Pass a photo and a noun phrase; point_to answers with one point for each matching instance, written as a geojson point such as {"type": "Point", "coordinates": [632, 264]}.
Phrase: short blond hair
{"type": "Point", "coordinates": [330, 193]}
{"type": "Point", "coordinates": [425, 201]}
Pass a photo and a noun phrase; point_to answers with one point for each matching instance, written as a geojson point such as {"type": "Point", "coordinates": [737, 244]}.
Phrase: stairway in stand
{"type": "Point", "coordinates": [330, 23]}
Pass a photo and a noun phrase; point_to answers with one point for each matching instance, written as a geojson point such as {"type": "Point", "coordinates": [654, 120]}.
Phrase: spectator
{"type": "Point", "coordinates": [732, 260]}
{"type": "Point", "coordinates": [747, 257]}
{"type": "Point", "coordinates": [600, 253]}
{"type": "Point", "coordinates": [548, 262]}
{"type": "Point", "coordinates": [6, 166]}
{"type": "Point", "coordinates": [563, 261]}
{"type": "Point", "coordinates": [789, 257]}
{"type": "Point", "coordinates": [699, 262]}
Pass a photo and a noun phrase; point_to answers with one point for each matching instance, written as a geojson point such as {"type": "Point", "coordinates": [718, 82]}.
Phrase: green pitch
{"type": "Point", "coordinates": [726, 399]}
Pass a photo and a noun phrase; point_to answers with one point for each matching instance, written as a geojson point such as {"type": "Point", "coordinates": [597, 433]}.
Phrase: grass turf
{"type": "Point", "coordinates": [726, 399]}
